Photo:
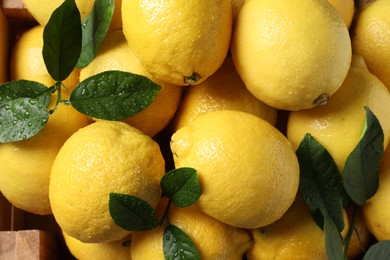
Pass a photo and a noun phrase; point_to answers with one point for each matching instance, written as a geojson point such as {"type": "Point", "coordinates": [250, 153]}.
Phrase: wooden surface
{"type": "Point", "coordinates": [15, 10]}
{"type": "Point", "coordinates": [27, 244]}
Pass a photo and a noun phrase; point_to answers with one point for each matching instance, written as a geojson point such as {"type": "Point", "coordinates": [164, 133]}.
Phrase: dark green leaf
{"type": "Point", "coordinates": [21, 118]}
{"type": "Point", "coordinates": [360, 175]}
{"type": "Point", "coordinates": [182, 186]}
{"type": "Point", "coordinates": [94, 29]}
{"type": "Point", "coordinates": [113, 95]}
{"type": "Point", "coordinates": [62, 40]}
{"type": "Point", "coordinates": [178, 245]}
{"type": "Point", "coordinates": [320, 182]}
{"type": "Point", "coordinates": [333, 239]}
{"type": "Point", "coordinates": [132, 213]}
{"type": "Point", "coordinates": [378, 251]}
{"type": "Point", "coordinates": [24, 88]}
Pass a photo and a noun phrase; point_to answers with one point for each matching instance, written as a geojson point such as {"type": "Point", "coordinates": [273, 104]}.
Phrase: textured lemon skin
{"type": "Point", "coordinates": [338, 125]}
{"type": "Point", "coordinates": [115, 54]}
{"type": "Point", "coordinates": [104, 157]}
{"type": "Point", "coordinates": [371, 37]}
{"type": "Point", "coordinates": [26, 165]}
{"type": "Point", "coordinates": [222, 90]}
{"type": "Point", "coordinates": [247, 169]}
{"type": "Point", "coordinates": [41, 10]}
{"type": "Point", "coordinates": [212, 238]}
{"type": "Point", "coordinates": [26, 61]}
{"type": "Point", "coordinates": [177, 39]}
{"type": "Point", "coordinates": [376, 211]}
{"type": "Point", "coordinates": [294, 236]}
{"type": "Point", "coordinates": [98, 251]}
{"type": "Point", "coordinates": [346, 9]}
{"type": "Point", "coordinates": [291, 55]}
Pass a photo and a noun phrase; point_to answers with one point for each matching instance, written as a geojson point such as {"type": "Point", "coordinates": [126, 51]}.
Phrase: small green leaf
{"type": "Point", "coordinates": [62, 40]}
{"type": "Point", "coordinates": [132, 213]}
{"type": "Point", "coordinates": [182, 186]}
{"type": "Point", "coordinates": [178, 245]}
{"type": "Point", "coordinates": [94, 29]}
{"type": "Point", "coordinates": [21, 118]}
{"type": "Point", "coordinates": [320, 182]}
{"type": "Point", "coordinates": [113, 95]}
{"type": "Point", "coordinates": [333, 239]}
{"type": "Point", "coordinates": [24, 88]}
{"type": "Point", "coordinates": [360, 175]}
{"type": "Point", "coordinates": [378, 251]}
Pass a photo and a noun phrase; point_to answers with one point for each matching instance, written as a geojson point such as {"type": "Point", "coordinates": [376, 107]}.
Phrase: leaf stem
{"type": "Point", "coordinates": [166, 212]}
{"type": "Point", "coordinates": [350, 231]}
{"type": "Point", "coordinates": [57, 87]}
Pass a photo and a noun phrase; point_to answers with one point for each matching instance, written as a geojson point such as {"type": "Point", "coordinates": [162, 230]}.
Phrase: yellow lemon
{"type": "Point", "coordinates": [376, 211]}
{"type": "Point", "coordinates": [294, 236]}
{"type": "Point", "coordinates": [115, 250]}
{"type": "Point", "coordinates": [222, 90]}
{"type": "Point", "coordinates": [338, 124]}
{"type": "Point", "coordinates": [212, 238]}
{"type": "Point", "coordinates": [115, 54]}
{"type": "Point", "coordinates": [103, 157]}
{"type": "Point", "coordinates": [247, 169]}
{"type": "Point", "coordinates": [370, 37]}
{"type": "Point", "coordinates": [42, 10]}
{"type": "Point", "coordinates": [3, 48]}
{"type": "Point", "coordinates": [178, 42]}
{"type": "Point", "coordinates": [346, 8]}
{"type": "Point", "coordinates": [27, 60]}
{"type": "Point", "coordinates": [236, 6]}
{"type": "Point", "coordinates": [291, 55]}
{"type": "Point", "coordinates": [26, 165]}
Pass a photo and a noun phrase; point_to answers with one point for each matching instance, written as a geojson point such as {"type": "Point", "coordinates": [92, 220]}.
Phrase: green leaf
{"type": "Point", "coordinates": [94, 29]}
{"type": "Point", "coordinates": [320, 182]}
{"type": "Point", "coordinates": [132, 213]}
{"type": "Point", "coordinates": [360, 174]}
{"type": "Point", "coordinates": [182, 186]}
{"type": "Point", "coordinates": [378, 251]}
{"type": "Point", "coordinates": [62, 40]}
{"type": "Point", "coordinates": [21, 118]}
{"type": "Point", "coordinates": [113, 95]}
{"type": "Point", "coordinates": [333, 239]}
{"type": "Point", "coordinates": [178, 245]}
{"type": "Point", "coordinates": [24, 88]}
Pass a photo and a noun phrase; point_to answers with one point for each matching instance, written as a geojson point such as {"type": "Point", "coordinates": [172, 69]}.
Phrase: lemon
{"type": "Point", "coordinates": [115, 54]}
{"type": "Point", "coordinates": [103, 157]}
{"type": "Point", "coordinates": [236, 6]}
{"type": "Point", "coordinates": [370, 37]}
{"type": "Point", "coordinates": [27, 61]}
{"type": "Point", "coordinates": [247, 169]}
{"type": "Point", "coordinates": [222, 90]}
{"type": "Point", "coordinates": [42, 10]}
{"type": "Point", "coordinates": [376, 211]}
{"type": "Point", "coordinates": [178, 42]}
{"type": "Point", "coordinates": [26, 165]}
{"type": "Point", "coordinates": [338, 125]}
{"type": "Point", "coordinates": [346, 8]}
{"type": "Point", "coordinates": [294, 236]}
{"type": "Point", "coordinates": [212, 238]}
{"type": "Point", "coordinates": [3, 48]}
{"type": "Point", "coordinates": [292, 55]}
{"type": "Point", "coordinates": [115, 250]}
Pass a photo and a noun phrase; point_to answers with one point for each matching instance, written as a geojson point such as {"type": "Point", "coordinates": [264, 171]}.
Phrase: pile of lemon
{"type": "Point", "coordinates": [241, 83]}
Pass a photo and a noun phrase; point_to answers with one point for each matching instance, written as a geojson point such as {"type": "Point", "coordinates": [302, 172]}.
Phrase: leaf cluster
{"type": "Point", "coordinates": [327, 192]}
{"type": "Point", "coordinates": [68, 43]}
{"type": "Point", "coordinates": [131, 213]}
